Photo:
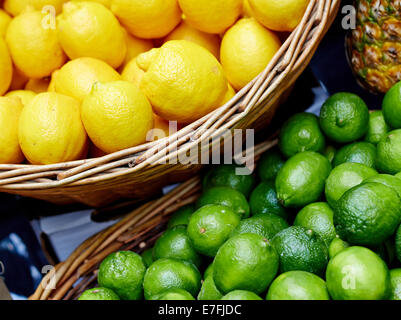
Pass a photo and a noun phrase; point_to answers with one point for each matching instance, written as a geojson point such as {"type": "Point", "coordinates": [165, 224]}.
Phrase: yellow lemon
{"type": "Point", "coordinates": [160, 130]}
{"type": "Point", "coordinates": [77, 77]}
{"type": "Point", "coordinates": [279, 15]}
{"type": "Point", "coordinates": [10, 111]}
{"type": "Point", "coordinates": [15, 7]}
{"type": "Point", "coordinates": [106, 3]}
{"type": "Point", "coordinates": [182, 80]}
{"type": "Point", "coordinates": [38, 85]}
{"type": "Point", "coordinates": [209, 41]}
{"type": "Point", "coordinates": [26, 96]}
{"type": "Point", "coordinates": [89, 29]}
{"type": "Point", "coordinates": [34, 45]}
{"type": "Point", "coordinates": [133, 73]}
{"type": "Point", "coordinates": [116, 116]}
{"type": "Point", "coordinates": [52, 83]}
{"type": "Point", "coordinates": [229, 95]}
{"type": "Point", "coordinates": [147, 19]}
{"type": "Point", "coordinates": [19, 80]}
{"type": "Point", "coordinates": [246, 9]}
{"type": "Point", "coordinates": [5, 20]}
{"type": "Point", "coordinates": [246, 50]}
{"type": "Point", "coordinates": [51, 130]}
{"type": "Point", "coordinates": [6, 67]}
{"type": "Point", "coordinates": [211, 16]}
{"type": "Point", "coordinates": [135, 46]}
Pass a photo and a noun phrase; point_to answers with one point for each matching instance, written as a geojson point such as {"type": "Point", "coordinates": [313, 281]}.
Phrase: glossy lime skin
{"type": "Point", "coordinates": [392, 106]}
{"type": "Point", "coordinates": [377, 128]}
{"type": "Point", "coordinates": [357, 273]}
{"type": "Point", "coordinates": [336, 246]}
{"type": "Point", "coordinates": [398, 243]}
{"type": "Point", "coordinates": [165, 274]}
{"type": "Point", "coordinates": [241, 295]}
{"type": "Point", "coordinates": [245, 262]}
{"type": "Point", "coordinates": [344, 117]}
{"type": "Point", "coordinates": [330, 152]}
{"type": "Point", "coordinates": [389, 153]}
{"type": "Point", "coordinates": [264, 200]}
{"type": "Point", "coordinates": [301, 133]}
{"type": "Point", "coordinates": [175, 243]}
{"type": "Point", "coordinates": [99, 294]}
{"type": "Point", "coordinates": [317, 217]}
{"type": "Point", "coordinates": [270, 164]}
{"type": "Point", "coordinates": [225, 196]}
{"type": "Point", "coordinates": [395, 279]}
{"type": "Point", "coordinates": [147, 257]}
{"type": "Point", "coordinates": [301, 180]}
{"type": "Point", "coordinates": [208, 271]}
{"type": "Point", "coordinates": [344, 177]}
{"type": "Point", "coordinates": [357, 152]}
{"type": "Point", "coordinates": [367, 214]}
{"type": "Point", "coordinates": [266, 225]}
{"type": "Point", "coordinates": [174, 294]}
{"type": "Point", "coordinates": [227, 176]}
{"type": "Point", "coordinates": [210, 226]}
{"type": "Point", "coordinates": [209, 290]}
{"type": "Point", "coordinates": [181, 216]}
{"type": "Point", "coordinates": [298, 285]}
{"type": "Point", "coordinates": [123, 272]}
{"type": "Point", "coordinates": [301, 249]}
{"type": "Point", "coordinates": [388, 180]}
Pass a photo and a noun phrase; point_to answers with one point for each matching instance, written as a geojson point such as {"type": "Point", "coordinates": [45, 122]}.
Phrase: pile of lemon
{"type": "Point", "coordinates": [88, 78]}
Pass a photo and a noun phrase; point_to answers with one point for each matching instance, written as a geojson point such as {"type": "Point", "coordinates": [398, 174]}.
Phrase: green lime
{"type": "Point", "coordinates": [208, 271]}
{"type": "Point", "coordinates": [344, 117]}
{"type": "Point", "coordinates": [266, 225]}
{"type": "Point", "coordinates": [345, 177]}
{"type": "Point", "coordinates": [395, 280]}
{"type": "Point", "coordinates": [123, 272]}
{"type": "Point", "coordinates": [317, 217]}
{"type": "Point", "coordinates": [210, 226]}
{"type": "Point", "coordinates": [392, 106]}
{"type": "Point", "coordinates": [174, 294]}
{"type": "Point", "coordinates": [147, 257]}
{"type": "Point", "coordinates": [386, 250]}
{"type": "Point", "coordinates": [388, 180]}
{"type": "Point", "coordinates": [241, 295]}
{"type": "Point", "coordinates": [377, 128]}
{"type": "Point", "coordinates": [330, 152]}
{"type": "Point", "coordinates": [264, 200]}
{"type": "Point", "coordinates": [357, 152]}
{"type": "Point", "coordinates": [175, 243]}
{"type": "Point", "coordinates": [245, 262]}
{"type": "Point", "coordinates": [301, 249]}
{"type": "Point", "coordinates": [398, 175]}
{"type": "Point", "coordinates": [301, 180]}
{"type": "Point", "coordinates": [336, 246]}
{"type": "Point", "coordinates": [389, 153]}
{"type": "Point", "coordinates": [225, 196]}
{"type": "Point", "coordinates": [209, 290]}
{"type": "Point", "coordinates": [367, 214]}
{"type": "Point", "coordinates": [181, 216]}
{"type": "Point", "coordinates": [98, 294]}
{"type": "Point", "coordinates": [298, 285]}
{"type": "Point", "coordinates": [166, 274]}
{"type": "Point", "coordinates": [270, 164]}
{"type": "Point", "coordinates": [229, 175]}
{"type": "Point", "coordinates": [357, 273]}
{"type": "Point", "coordinates": [398, 243]}
{"type": "Point", "coordinates": [301, 133]}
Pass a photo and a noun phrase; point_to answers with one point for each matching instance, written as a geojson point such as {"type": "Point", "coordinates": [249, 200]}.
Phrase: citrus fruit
{"type": "Point", "coordinates": [5, 19]}
{"type": "Point", "coordinates": [182, 80]}
{"type": "Point", "coordinates": [367, 214]}
{"type": "Point", "coordinates": [123, 272]}
{"type": "Point", "coordinates": [175, 243]}
{"type": "Point", "coordinates": [301, 133]}
{"type": "Point", "coordinates": [161, 129]}
{"type": "Point", "coordinates": [208, 271]}
{"type": "Point", "coordinates": [34, 48]}
{"type": "Point", "coordinates": [246, 50]}
{"type": "Point", "coordinates": [116, 116]}
{"type": "Point", "coordinates": [135, 46]}
{"type": "Point", "coordinates": [133, 73]}
{"type": "Point", "coordinates": [349, 275]}
{"type": "Point", "coordinates": [301, 249]}
{"type": "Point", "coordinates": [15, 7]}
{"type": "Point", "coordinates": [357, 152]}
{"type": "Point", "coordinates": [388, 180]}
{"type": "Point", "coordinates": [19, 80]}
{"type": "Point", "coordinates": [106, 3]}
{"type": "Point", "coordinates": [6, 67]}
{"type": "Point", "coordinates": [336, 246]}
{"type": "Point", "coordinates": [377, 127]}
{"type": "Point", "coordinates": [279, 15]}
{"type": "Point", "coordinates": [26, 96]}
{"type": "Point", "coordinates": [395, 279]}
{"type": "Point", "coordinates": [211, 16]}
{"type": "Point", "coordinates": [174, 294]}
{"type": "Point", "coordinates": [38, 85]}
{"type": "Point", "coordinates": [148, 20]}
{"type": "Point", "coordinates": [317, 217]}
{"type": "Point", "coordinates": [270, 164]}
{"type": "Point", "coordinates": [181, 216]}
{"type": "Point", "coordinates": [298, 285]}
{"type": "Point", "coordinates": [225, 196]}
{"type": "Point", "coordinates": [344, 117]}
{"type": "Point", "coordinates": [101, 37]}
{"type": "Point", "coordinates": [147, 257]}
{"type": "Point", "coordinates": [389, 153]}
{"type": "Point", "coordinates": [166, 274]}
{"type": "Point", "coordinates": [245, 262]}
{"type": "Point", "coordinates": [330, 152]}
{"type": "Point", "coordinates": [264, 200]}
{"type": "Point", "coordinates": [230, 93]}
{"type": "Point", "coordinates": [398, 243]}
{"type": "Point", "coordinates": [77, 77]}
{"type": "Point", "coordinates": [344, 177]}
{"type": "Point", "coordinates": [208, 290]}
{"type": "Point", "coordinates": [241, 295]}
{"type": "Point", "coordinates": [10, 111]}
{"type": "Point", "coordinates": [210, 226]}
{"type": "Point", "coordinates": [98, 294]}
{"type": "Point", "coordinates": [246, 9]}
{"type": "Point", "coordinates": [51, 130]}
{"type": "Point", "coordinates": [391, 106]}
{"type": "Point", "coordinates": [301, 180]}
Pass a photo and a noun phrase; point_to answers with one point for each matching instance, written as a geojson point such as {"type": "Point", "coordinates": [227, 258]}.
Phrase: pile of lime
{"type": "Point", "coordinates": [318, 220]}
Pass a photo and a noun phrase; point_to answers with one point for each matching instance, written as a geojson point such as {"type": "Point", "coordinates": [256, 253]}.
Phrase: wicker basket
{"type": "Point", "coordinates": [137, 232]}
{"type": "Point", "coordinates": [136, 172]}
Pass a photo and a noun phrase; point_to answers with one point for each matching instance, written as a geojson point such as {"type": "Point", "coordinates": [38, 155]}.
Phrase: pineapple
{"type": "Point", "coordinates": [374, 47]}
